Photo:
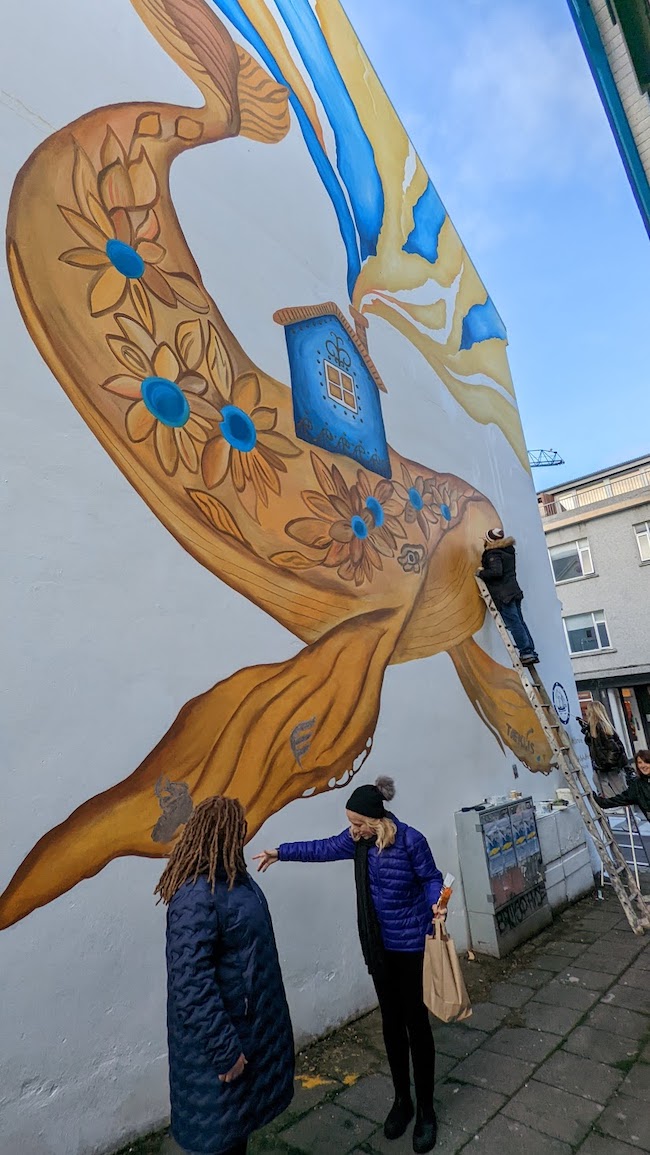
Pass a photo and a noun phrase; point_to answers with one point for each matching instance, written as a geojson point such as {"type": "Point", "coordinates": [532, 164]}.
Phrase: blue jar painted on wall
{"type": "Point", "coordinates": [335, 394]}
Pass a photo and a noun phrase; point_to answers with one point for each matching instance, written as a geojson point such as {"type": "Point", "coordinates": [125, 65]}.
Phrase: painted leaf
{"type": "Point", "coordinates": [190, 343]}
{"type": "Point", "coordinates": [291, 559]}
{"type": "Point", "coordinates": [217, 514]}
{"type": "Point", "coordinates": [219, 364]}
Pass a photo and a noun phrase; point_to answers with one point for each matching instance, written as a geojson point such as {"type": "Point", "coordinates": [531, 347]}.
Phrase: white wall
{"type": "Point", "coordinates": [103, 644]}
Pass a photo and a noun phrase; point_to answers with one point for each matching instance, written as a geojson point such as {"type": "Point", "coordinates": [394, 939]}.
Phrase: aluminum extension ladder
{"type": "Point", "coordinates": [635, 906]}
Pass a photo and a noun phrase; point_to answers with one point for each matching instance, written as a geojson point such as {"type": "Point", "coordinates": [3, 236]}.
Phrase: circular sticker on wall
{"type": "Point", "coordinates": [561, 703]}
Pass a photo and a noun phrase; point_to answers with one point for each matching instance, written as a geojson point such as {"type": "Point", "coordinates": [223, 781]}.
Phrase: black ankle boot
{"type": "Point", "coordinates": [425, 1131]}
{"type": "Point", "coordinates": [399, 1117]}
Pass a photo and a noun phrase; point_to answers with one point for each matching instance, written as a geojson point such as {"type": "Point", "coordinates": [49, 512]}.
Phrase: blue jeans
{"type": "Point", "coordinates": [513, 620]}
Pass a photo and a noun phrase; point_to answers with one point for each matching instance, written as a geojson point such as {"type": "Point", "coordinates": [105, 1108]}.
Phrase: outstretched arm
{"type": "Point", "coordinates": [336, 849]}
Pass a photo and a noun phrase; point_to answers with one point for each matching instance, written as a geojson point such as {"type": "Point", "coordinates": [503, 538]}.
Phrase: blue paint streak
{"type": "Point", "coordinates": [480, 324]}
{"type": "Point", "coordinates": [428, 218]}
{"type": "Point", "coordinates": [354, 152]}
{"type": "Point", "coordinates": [234, 12]}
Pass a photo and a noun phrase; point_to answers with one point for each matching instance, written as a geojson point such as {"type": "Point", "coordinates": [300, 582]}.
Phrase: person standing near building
{"type": "Point", "coordinates": [637, 792]}
{"type": "Point", "coordinates": [231, 1054]}
{"type": "Point", "coordinates": [608, 756]}
{"type": "Point", "coordinates": [499, 572]}
{"type": "Point", "coordinates": [398, 887]}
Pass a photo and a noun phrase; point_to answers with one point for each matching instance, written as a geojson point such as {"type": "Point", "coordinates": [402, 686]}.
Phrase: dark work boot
{"type": "Point", "coordinates": [398, 1117]}
{"type": "Point", "coordinates": [425, 1131]}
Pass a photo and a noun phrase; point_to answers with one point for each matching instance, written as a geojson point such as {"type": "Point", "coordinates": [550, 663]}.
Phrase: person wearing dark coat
{"type": "Point", "coordinates": [499, 572]}
{"type": "Point", "coordinates": [638, 791]}
{"type": "Point", "coordinates": [398, 887]}
{"type": "Point", "coordinates": [231, 1053]}
{"type": "Point", "coordinates": [607, 752]}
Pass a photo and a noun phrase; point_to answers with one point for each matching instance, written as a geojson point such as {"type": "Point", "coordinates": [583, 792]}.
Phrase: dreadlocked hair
{"type": "Point", "coordinates": [213, 837]}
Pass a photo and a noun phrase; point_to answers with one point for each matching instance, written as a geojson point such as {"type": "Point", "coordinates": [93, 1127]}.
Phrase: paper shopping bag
{"type": "Point", "coordinates": [444, 988]}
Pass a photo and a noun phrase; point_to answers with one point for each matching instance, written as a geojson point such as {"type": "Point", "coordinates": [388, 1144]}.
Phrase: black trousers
{"type": "Point", "coordinates": [405, 1021]}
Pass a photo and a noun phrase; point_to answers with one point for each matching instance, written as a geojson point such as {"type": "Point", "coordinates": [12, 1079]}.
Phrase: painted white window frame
{"type": "Point", "coordinates": [598, 619]}
{"type": "Point", "coordinates": [583, 550]}
{"type": "Point", "coordinates": [642, 534]}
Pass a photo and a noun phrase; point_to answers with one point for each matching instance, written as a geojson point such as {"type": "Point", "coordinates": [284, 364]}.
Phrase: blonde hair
{"type": "Point", "coordinates": [598, 719]}
{"type": "Point", "coordinates": [384, 829]}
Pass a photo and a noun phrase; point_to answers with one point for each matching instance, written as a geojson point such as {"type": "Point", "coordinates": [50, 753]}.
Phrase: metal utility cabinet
{"type": "Point", "coordinates": [502, 874]}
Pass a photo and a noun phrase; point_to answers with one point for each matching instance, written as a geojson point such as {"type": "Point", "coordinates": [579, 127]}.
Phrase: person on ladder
{"type": "Point", "coordinates": [499, 572]}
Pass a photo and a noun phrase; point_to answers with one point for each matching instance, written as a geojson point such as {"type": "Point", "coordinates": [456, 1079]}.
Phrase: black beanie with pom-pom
{"type": "Point", "coordinates": [369, 800]}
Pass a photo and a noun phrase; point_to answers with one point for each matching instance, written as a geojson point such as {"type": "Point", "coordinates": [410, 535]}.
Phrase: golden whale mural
{"type": "Point", "coordinates": [366, 556]}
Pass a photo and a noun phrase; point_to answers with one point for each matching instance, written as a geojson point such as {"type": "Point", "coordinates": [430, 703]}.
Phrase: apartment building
{"type": "Point", "coordinates": [598, 536]}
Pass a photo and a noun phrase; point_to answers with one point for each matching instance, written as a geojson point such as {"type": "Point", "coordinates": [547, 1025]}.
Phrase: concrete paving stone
{"type": "Point", "coordinates": [305, 1098]}
{"type": "Point", "coordinates": [370, 1031]}
{"type": "Point", "coordinates": [584, 936]}
{"type": "Point", "coordinates": [486, 1017]}
{"type": "Point", "coordinates": [498, 1073]}
{"type": "Point", "coordinates": [466, 1108]}
{"type": "Point", "coordinates": [566, 949]}
{"type": "Point", "coordinates": [635, 979]}
{"type": "Point", "coordinates": [604, 1145]}
{"type": "Point", "coordinates": [549, 962]}
{"type": "Point", "coordinates": [529, 978]}
{"type": "Point", "coordinates": [553, 1111]}
{"type": "Point", "coordinates": [644, 1057]}
{"type": "Point", "coordinates": [558, 1020]}
{"type": "Point", "coordinates": [632, 998]}
{"type": "Point", "coordinates": [510, 994]}
{"type": "Point", "coordinates": [457, 1040]}
{"type": "Point", "coordinates": [627, 1119]}
{"type": "Point", "coordinates": [444, 1065]}
{"type": "Point", "coordinates": [609, 964]}
{"type": "Point", "coordinates": [643, 959]}
{"type": "Point", "coordinates": [600, 920]}
{"type": "Point", "coordinates": [505, 1136]}
{"type": "Point", "coordinates": [328, 1129]}
{"type": "Point", "coordinates": [600, 1045]}
{"type": "Point", "coordinates": [562, 993]}
{"type": "Point", "coordinates": [580, 1076]}
{"type": "Point", "coordinates": [618, 1021]}
{"type": "Point", "coordinates": [637, 1083]}
{"type": "Point", "coordinates": [592, 980]}
{"type": "Point", "coordinates": [521, 1043]}
{"type": "Point", "coordinates": [371, 1097]}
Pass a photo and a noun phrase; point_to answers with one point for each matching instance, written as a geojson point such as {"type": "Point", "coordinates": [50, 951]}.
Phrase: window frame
{"type": "Point", "coordinates": [583, 549]}
{"type": "Point", "coordinates": [341, 376]}
{"type": "Point", "coordinates": [644, 528]}
{"type": "Point", "coordinates": [595, 616]}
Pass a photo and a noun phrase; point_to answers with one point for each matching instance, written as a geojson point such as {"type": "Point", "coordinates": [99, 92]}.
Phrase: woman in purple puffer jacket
{"type": "Point", "coordinates": [398, 887]}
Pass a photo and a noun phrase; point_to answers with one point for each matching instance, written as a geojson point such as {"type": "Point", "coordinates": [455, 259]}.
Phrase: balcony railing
{"type": "Point", "coordinates": [579, 498]}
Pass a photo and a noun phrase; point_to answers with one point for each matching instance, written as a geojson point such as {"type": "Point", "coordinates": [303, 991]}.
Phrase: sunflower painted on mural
{"type": "Point", "coordinates": [417, 501]}
{"type": "Point", "coordinates": [116, 220]}
{"type": "Point", "coordinates": [165, 391]}
{"type": "Point", "coordinates": [245, 446]}
{"type": "Point", "coordinates": [348, 527]}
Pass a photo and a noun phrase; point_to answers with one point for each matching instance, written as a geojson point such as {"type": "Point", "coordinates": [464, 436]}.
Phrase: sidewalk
{"type": "Point", "coordinates": [555, 1059]}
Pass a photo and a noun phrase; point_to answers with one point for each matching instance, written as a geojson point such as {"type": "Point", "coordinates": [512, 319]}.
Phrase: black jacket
{"type": "Point", "coordinates": [498, 571]}
{"type": "Point", "coordinates": [637, 794]}
{"type": "Point", "coordinates": [606, 750]}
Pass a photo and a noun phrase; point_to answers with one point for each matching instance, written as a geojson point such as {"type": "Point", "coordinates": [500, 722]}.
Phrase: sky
{"type": "Point", "coordinates": [499, 101]}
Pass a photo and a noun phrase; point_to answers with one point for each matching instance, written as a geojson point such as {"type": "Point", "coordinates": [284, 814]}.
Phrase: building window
{"type": "Point", "coordinates": [643, 539]}
{"type": "Point", "coordinates": [571, 561]}
{"type": "Point", "coordinates": [340, 386]}
{"type": "Point", "coordinates": [585, 632]}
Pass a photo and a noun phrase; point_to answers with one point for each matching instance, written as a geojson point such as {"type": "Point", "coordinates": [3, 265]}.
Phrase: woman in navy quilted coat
{"type": "Point", "coordinates": [398, 887]}
{"type": "Point", "coordinates": [231, 1056]}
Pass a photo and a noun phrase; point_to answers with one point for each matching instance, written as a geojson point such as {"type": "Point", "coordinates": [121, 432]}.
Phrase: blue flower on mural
{"type": "Point", "coordinates": [335, 388]}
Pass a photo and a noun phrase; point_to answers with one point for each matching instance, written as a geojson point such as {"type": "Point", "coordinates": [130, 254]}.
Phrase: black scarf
{"type": "Point", "coordinates": [367, 921]}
